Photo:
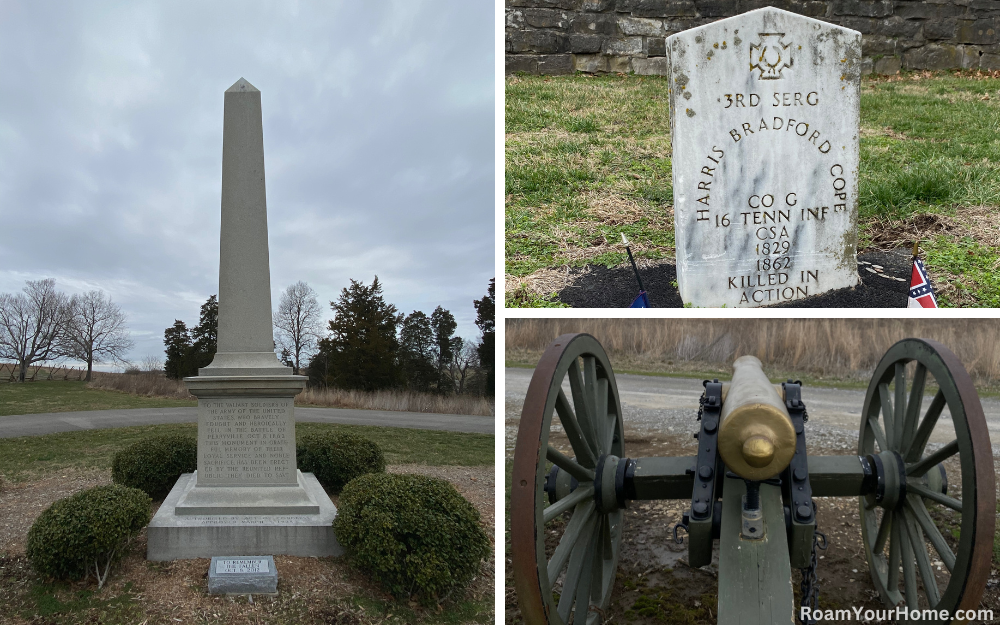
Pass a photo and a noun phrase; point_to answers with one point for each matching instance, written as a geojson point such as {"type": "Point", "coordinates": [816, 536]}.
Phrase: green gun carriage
{"type": "Point", "coordinates": [751, 487]}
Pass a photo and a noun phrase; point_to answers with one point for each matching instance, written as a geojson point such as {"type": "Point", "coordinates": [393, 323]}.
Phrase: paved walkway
{"type": "Point", "coordinates": [47, 423]}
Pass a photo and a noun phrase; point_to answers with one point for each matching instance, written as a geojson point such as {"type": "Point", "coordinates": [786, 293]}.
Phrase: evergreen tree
{"type": "Point", "coordinates": [485, 319]}
{"type": "Point", "coordinates": [189, 350]}
{"type": "Point", "coordinates": [205, 335]}
{"type": "Point", "coordinates": [318, 368]}
{"type": "Point", "coordinates": [416, 352]}
{"type": "Point", "coordinates": [177, 340]}
{"type": "Point", "coordinates": [443, 324]}
{"type": "Point", "coordinates": [363, 344]}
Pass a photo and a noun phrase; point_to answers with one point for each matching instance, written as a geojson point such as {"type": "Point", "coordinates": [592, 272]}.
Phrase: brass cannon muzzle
{"type": "Point", "coordinates": [756, 438]}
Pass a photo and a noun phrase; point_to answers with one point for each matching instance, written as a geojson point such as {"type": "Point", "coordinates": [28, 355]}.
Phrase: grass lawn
{"type": "Point", "coordinates": [30, 456]}
{"type": "Point", "coordinates": [65, 396]}
{"type": "Point", "coordinates": [588, 158]}
{"type": "Point", "coordinates": [321, 591]}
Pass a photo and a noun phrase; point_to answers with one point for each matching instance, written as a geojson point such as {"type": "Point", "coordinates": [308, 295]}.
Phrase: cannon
{"type": "Point", "coordinates": [752, 486]}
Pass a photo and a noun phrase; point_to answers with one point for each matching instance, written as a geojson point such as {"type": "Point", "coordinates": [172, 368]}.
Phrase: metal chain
{"type": "Point", "coordinates": [701, 402]}
{"type": "Point", "coordinates": [810, 581]}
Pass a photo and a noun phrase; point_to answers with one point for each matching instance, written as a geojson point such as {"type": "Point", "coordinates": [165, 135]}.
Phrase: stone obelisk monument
{"type": "Point", "coordinates": [247, 496]}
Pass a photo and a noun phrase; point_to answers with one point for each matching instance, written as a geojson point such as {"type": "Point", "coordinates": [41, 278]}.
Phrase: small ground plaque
{"type": "Point", "coordinates": [246, 575]}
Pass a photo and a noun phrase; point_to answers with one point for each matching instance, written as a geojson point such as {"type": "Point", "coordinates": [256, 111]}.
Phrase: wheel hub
{"type": "Point", "coordinates": [889, 477]}
{"type": "Point", "coordinates": [559, 484]}
{"type": "Point", "coordinates": [605, 495]}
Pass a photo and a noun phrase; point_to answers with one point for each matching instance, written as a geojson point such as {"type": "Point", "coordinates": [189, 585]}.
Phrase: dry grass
{"type": "Point", "coordinates": [145, 384]}
{"type": "Point", "coordinates": [848, 348]}
{"type": "Point", "coordinates": [155, 384]}
{"type": "Point", "coordinates": [400, 401]}
{"type": "Point", "coordinates": [976, 222]}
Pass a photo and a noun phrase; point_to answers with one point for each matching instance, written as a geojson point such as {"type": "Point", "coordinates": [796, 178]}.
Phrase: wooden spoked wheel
{"type": "Point", "coordinates": [565, 553]}
{"type": "Point", "coordinates": [932, 537]}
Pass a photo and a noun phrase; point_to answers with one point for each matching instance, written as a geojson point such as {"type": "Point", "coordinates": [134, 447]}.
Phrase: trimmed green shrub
{"type": "Point", "coordinates": [86, 532]}
{"type": "Point", "coordinates": [336, 459]}
{"type": "Point", "coordinates": [415, 534]}
{"type": "Point", "coordinates": [153, 464]}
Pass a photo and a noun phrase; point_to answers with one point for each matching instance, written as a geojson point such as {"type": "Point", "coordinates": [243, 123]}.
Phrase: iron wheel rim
{"type": "Point", "coordinates": [599, 546]}
{"type": "Point", "coordinates": [906, 432]}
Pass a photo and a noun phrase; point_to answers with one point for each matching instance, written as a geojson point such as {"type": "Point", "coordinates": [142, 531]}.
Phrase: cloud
{"type": "Point", "coordinates": [378, 136]}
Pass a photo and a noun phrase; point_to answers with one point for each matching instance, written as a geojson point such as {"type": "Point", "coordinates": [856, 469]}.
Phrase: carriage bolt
{"type": "Point", "coordinates": [753, 522]}
{"type": "Point", "coordinates": [752, 515]}
{"type": "Point", "coordinates": [752, 500]}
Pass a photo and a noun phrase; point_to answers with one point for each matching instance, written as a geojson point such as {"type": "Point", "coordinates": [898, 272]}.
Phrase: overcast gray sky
{"type": "Point", "coordinates": [378, 149]}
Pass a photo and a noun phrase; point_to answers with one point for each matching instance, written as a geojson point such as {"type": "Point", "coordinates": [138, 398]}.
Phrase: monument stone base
{"type": "Point", "coordinates": [246, 500]}
{"type": "Point", "coordinates": [171, 536]}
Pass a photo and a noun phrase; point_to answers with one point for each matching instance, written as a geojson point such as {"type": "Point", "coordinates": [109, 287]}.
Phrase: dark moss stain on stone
{"type": "Point", "coordinates": [689, 112]}
{"type": "Point", "coordinates": [849, 245]}
{"type": "Point", "coordinates": [687, 95]}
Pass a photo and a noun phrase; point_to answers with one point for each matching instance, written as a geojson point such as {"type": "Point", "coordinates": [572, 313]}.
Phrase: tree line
{"type": "Point", "coordinates": [41, 324]}
{"type": "Point", "coordinates": [368, 345]}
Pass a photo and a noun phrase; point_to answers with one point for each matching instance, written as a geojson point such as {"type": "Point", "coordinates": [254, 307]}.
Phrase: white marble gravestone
{"type": "Point", "coordinates": [764, 125]}
{"type": "Point", "coordinates": [247, 495]}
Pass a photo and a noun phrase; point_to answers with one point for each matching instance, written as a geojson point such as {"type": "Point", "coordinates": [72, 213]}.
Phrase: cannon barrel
{"type": "Point", "coordinates": [756, 437]}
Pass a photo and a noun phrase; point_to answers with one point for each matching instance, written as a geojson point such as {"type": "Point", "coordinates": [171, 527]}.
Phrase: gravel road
{"type": "Point", "coordinates": [654, 405]}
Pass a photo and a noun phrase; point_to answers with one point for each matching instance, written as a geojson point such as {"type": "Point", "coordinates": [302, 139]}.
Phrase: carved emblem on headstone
{"type": "Point", "coordinates": [770, 55]}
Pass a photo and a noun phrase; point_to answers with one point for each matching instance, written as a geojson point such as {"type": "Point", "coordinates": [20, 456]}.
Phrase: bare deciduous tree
{"type": "Point", "coordinates": [465, 358]}
{"type": "Point", "coordinates": [297, 322]}
{"type": "Point", "coordinates": [96, 331]}
{"type": "Point", "coordinates": [32, 324]}
{"type": "Point", "coordinates": [151, 363]}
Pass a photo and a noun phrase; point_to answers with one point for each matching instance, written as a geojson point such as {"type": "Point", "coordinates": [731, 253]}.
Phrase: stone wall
{"type": "Point", "coordinates": [595, 36]}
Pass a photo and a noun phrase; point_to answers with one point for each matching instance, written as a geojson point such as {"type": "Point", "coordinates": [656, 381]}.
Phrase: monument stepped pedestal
{"type": "Point", "coordinates": [247, 496]}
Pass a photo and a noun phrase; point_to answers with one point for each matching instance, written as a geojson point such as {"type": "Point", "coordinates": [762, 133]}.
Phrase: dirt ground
{"type": "Point", "coordinates": [655, 584]}
{"type": "Point", "coordinates": [310, 590]}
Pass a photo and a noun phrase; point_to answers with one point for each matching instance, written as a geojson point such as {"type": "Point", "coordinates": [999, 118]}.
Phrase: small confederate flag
{"type": "Point", "coordinates": [921, 292]}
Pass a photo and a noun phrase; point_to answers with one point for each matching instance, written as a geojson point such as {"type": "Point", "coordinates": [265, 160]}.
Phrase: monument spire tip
{"type": "Point", "coordinates": [241, 85]}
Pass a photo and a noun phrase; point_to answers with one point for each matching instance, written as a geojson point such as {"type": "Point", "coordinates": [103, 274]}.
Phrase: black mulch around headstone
{"type": "Point", "coordinates": [601, 287]}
